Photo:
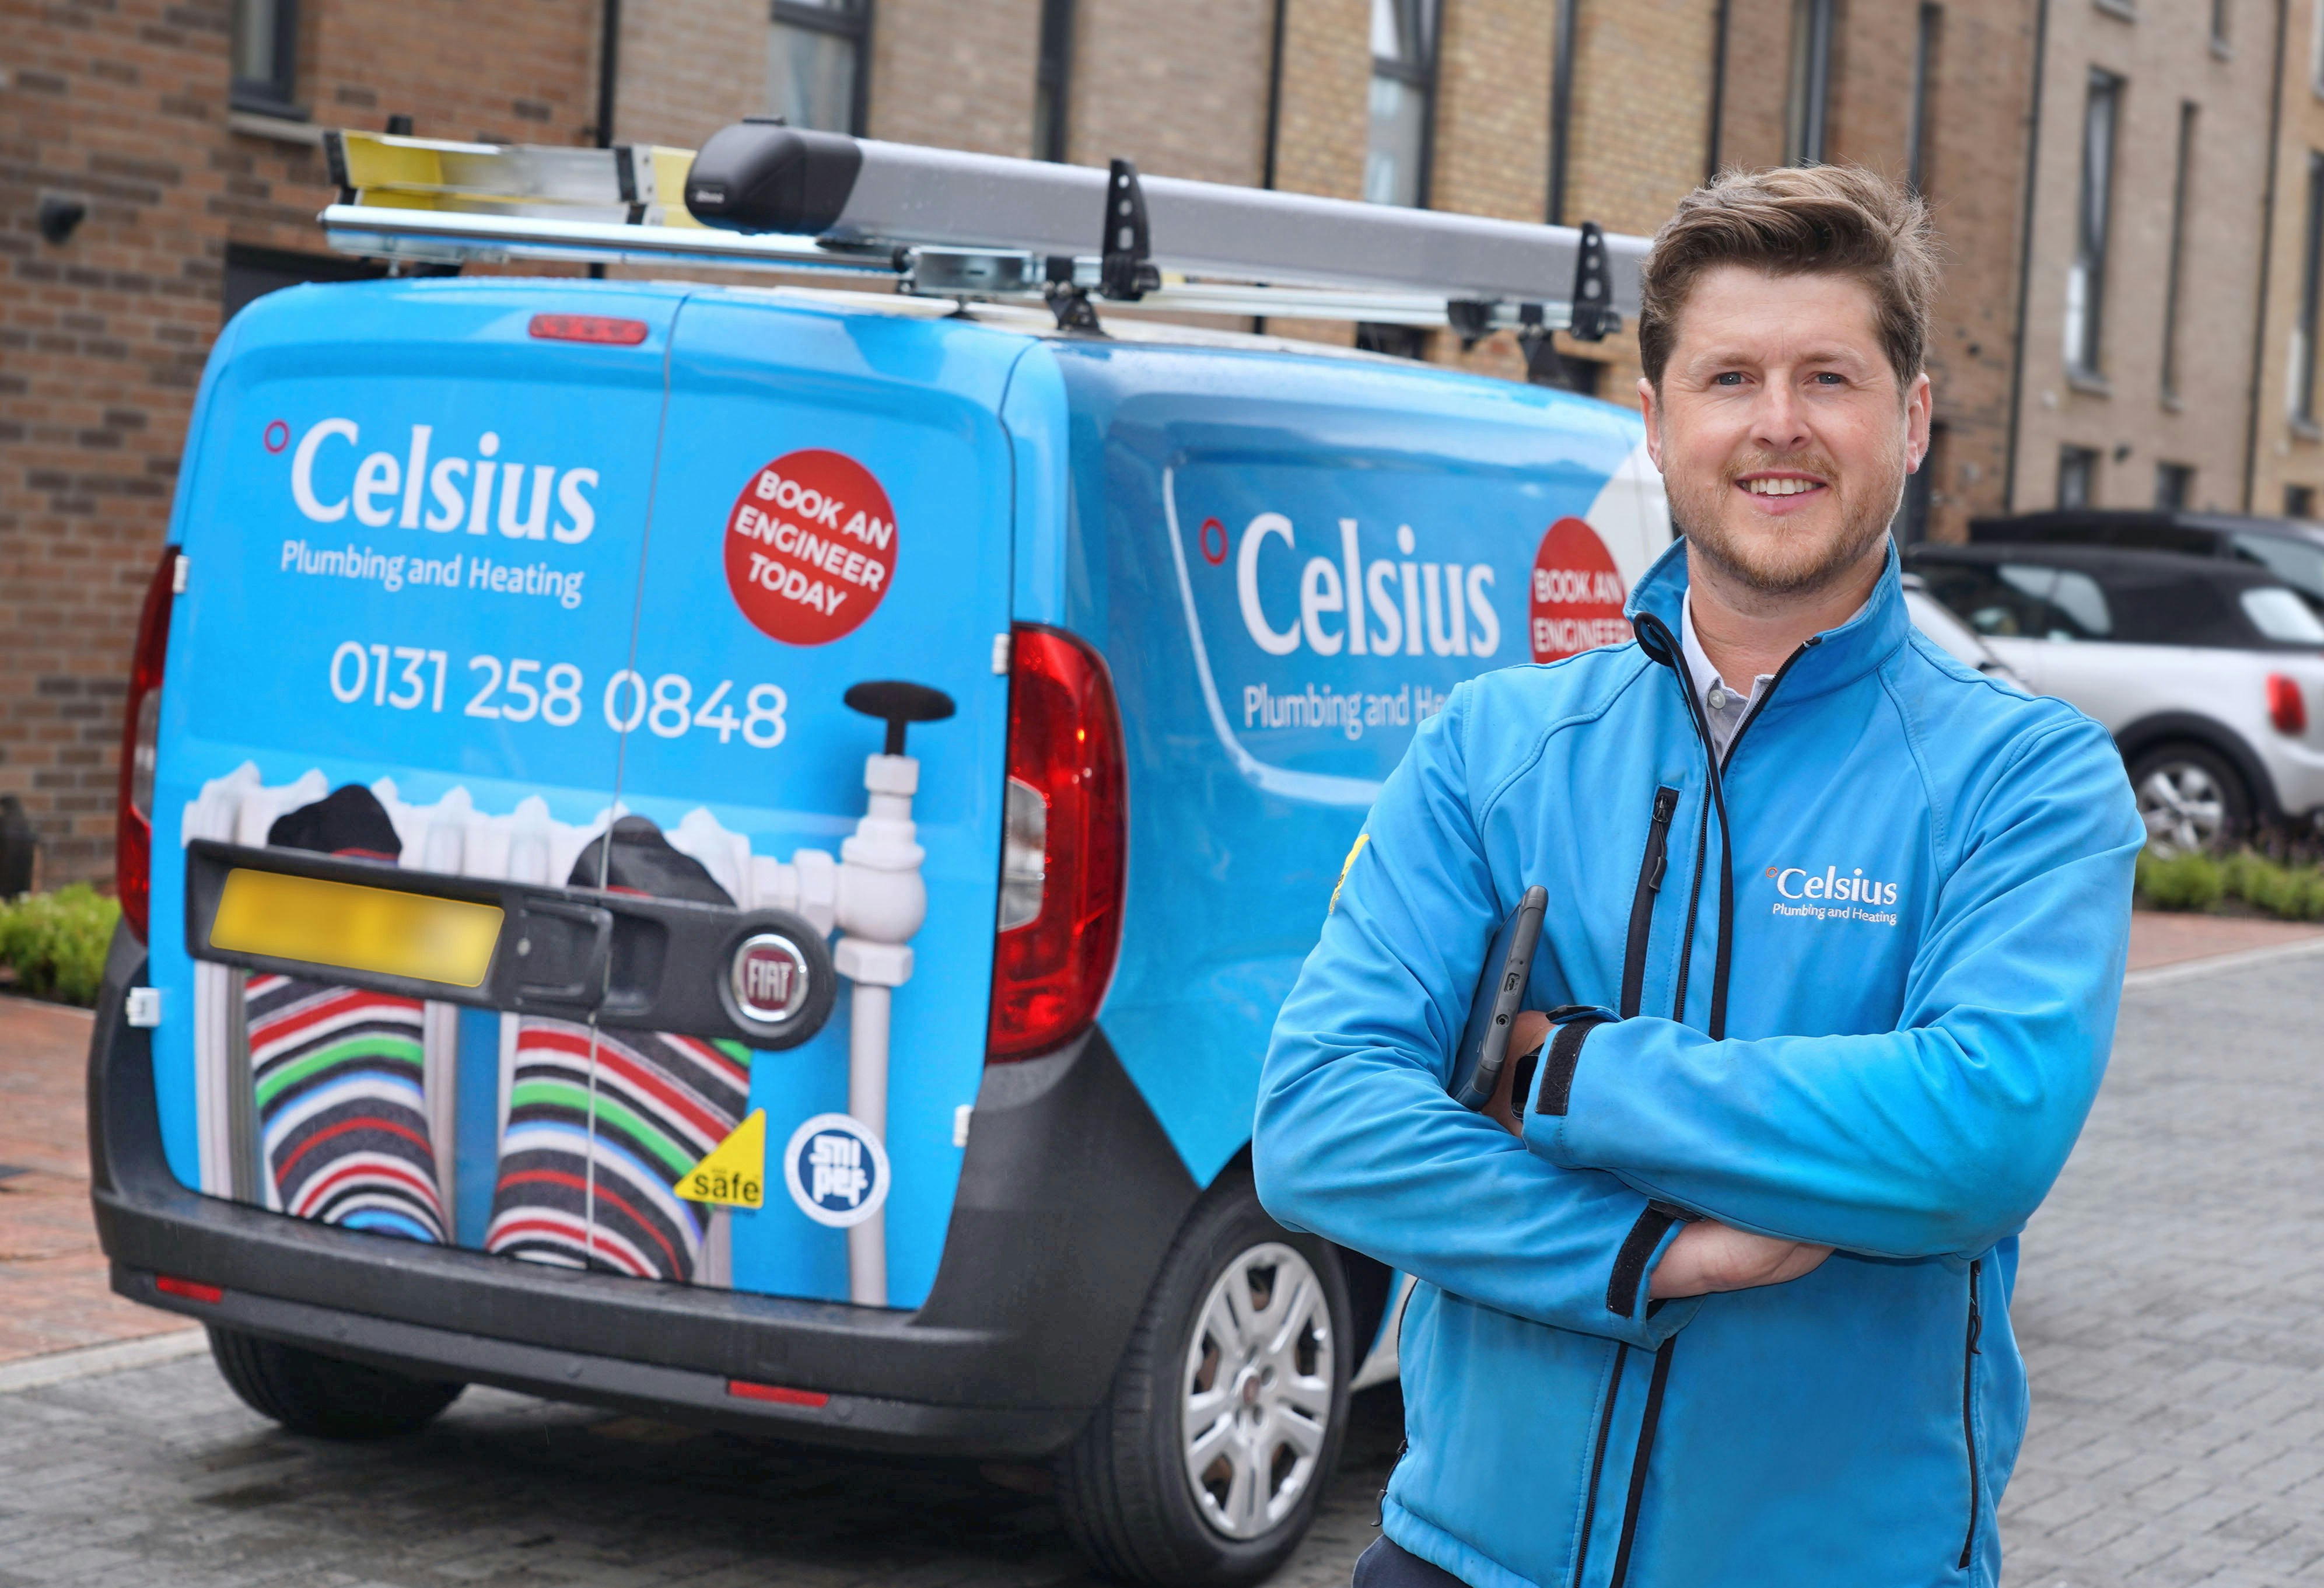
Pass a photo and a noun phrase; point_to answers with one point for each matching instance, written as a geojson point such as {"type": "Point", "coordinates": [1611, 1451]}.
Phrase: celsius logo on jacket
{"type": "Point", "coordinates": [1798, 883]}
{"type": "Point", "coordinates": [457, 493]}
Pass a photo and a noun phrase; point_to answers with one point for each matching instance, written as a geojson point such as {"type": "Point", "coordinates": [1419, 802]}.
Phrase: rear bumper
{"type": "Point", "coordinates": [1068, 1199]}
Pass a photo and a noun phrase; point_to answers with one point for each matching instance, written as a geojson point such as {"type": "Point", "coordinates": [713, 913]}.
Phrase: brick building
{"type": "Point", "coordinates": [188, 131]}
{"type": "Point", "coordinates": [2287, 442]}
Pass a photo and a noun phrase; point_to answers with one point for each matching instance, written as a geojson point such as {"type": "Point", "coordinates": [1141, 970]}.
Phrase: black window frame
{"type": "Point", "coordinates": [275, 95]}
{"type": "Point", "coordinates": [1053, 83]}
{"type": "Point", "coordinates": [2299, 501]}
{"type": "Point", "coordinates": [2311, 290]}
{"type": "Point", "coordinates": [1807, 103]}
{"type": "Point", "coordinates": [2174, 487]}
{"type": "Point", "coordinates": [2084, 460]}
{"type": "Point", "coordinates": [2174, 272]}
{"type": "Point", "coordinates": [1426, 19]}
{"type": "Point", "coordinates": [852, 23]}
{"type": "Point", "coordinates": [1928, 34]}
{"type": "Point", "coordinates": [2094, 219]}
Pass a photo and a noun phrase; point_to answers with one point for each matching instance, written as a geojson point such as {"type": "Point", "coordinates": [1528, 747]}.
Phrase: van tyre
{"type": "Point", "coordinates": [2190, 798]}
{"type": "Point", "coordinates": [1207, 1460]}
{"type": "Point", "coordinates": [310, 1393]}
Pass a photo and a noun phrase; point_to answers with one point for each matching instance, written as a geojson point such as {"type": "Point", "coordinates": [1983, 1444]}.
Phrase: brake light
{"type": "Point", "coordinates": [779, 1394]}
{"type": "Point", "coordinates": [140, 724]}
{"type": "Point", "coordinates": [1066, 821]}
{"type": "Point", "coordinates": [2285, 707]}
{"type": "Point", "coordinates": [599, 328]}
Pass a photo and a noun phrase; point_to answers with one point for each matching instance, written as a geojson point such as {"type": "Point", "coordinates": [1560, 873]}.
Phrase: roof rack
{"type": "Point", "coordinates": [943, 223]}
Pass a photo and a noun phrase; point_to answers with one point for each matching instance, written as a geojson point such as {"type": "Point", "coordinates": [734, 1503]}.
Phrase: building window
{"type": "Point", "coordinates": [1911, 525]}
{"type": "Point", "coordinates": [2078, 477]}
{"type": "Point", "coordinates": [2176, 263]}
{"type": "Point", "coordinates": [2299, 501]}
{"type": "Point", "coordinates": [265, 56]}
{"type": "Point", "coordinates": [1053, 80]}
{"type": "Point", "coordinates": [2086, 277]}
{"type": "Point", "coordinates": [2175, 486]}
{"type": "Point", "coordinates": [1403, 101]}
{"type": "Point", "coordinates": [2316, 49]}
{"type": "Point", "coordinates": [1814, 24]}
{"type": "Point", "coordinates": [2219, 12]}
{"type": "Point", "coordinates": [818, 63]}
{"type": "Point", "coordinates": [1924, 75]}
{"type": "Point", "coordinates": [2311, 280]}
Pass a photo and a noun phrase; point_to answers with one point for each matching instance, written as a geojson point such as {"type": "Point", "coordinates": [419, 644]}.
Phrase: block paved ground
{"type": "Point", "coordinates": [2171, 1311]}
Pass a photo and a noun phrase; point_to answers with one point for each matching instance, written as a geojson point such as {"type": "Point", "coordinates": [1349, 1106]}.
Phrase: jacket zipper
{"type": "Point", "coordinates": [1598, 1464]}
{"type": "Point", "coordinates": [1969, 1405]}
{"type": "Point", "coordinates": [1716, 1028]}
{"type": "Point", "coordinates": [1651, 866]}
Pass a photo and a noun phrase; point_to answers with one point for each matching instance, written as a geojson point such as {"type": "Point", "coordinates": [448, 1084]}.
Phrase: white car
{"type": "Point", "coordinates": [2204, 670]}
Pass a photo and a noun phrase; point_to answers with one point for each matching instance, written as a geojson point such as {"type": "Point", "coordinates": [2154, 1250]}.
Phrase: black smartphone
{"type": "Point", "coordinates": [1501, 993]}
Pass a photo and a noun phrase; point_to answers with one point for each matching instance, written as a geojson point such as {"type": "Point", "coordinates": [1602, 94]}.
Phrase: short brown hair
{"type": "Point", "coordinates": [1840, 220]}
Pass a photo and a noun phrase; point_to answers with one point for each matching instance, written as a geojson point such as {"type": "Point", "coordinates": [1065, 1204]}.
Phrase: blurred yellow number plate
{"type": "Point", "coordinates": [356, 928]}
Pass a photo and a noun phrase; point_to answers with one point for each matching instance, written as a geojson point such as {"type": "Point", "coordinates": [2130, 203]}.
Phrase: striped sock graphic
{"type": "Point", "coordinates": [661, 1102]}
{"type": "Point", "coordinates": [339, 1073]}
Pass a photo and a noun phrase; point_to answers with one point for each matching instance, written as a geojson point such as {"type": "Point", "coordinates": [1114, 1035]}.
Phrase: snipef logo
{"type": "Point", "coordinates": [1833, 894]}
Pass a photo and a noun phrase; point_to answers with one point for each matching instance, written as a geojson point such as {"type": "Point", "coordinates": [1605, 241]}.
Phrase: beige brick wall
{"type": "Point", "coordinates": [1327, 75]}
{"type": "Point", "coordinates": [1492, 108]}
{"type": "Point", "coordinates": [935, 80]}
{"type": "Point", "coordinates": [2288, 450]}
{"type": "Point", "coordinates": [1181, 89]}
{"type": "Point", "coordinates": [2165, 58]}
{"type": "Point", "coordinates": [688, 68]}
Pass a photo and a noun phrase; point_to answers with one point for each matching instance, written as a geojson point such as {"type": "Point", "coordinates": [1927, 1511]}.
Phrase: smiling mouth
{"type": "Point", "coordinates": [1780, 485]}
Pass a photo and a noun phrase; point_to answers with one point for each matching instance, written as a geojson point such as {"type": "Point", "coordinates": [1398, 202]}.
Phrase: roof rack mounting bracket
{"type": "Point", "coordinates": [1126, 271]}
{"type": "Point", "coordinates": [1471, 318]}
{"type": "Point", "coordinates": [1594, 315]}
{"type": "Point", "coordinates": [1067, 299]}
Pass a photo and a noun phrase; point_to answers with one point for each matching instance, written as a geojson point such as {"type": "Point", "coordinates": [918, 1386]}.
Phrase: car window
{"type": "Point", "coordinates": [2012, 600]}
{"type": "Point", "coordinates": [2075, 607]}
{"type": "Point", "coordinates": [2298, 563]}
{"type": "Point", "coordinates": [2280, 615]}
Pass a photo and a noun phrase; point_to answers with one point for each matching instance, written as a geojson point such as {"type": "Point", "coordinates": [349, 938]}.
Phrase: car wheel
{"type": "Point", "coordinates": [2190, 798]}
{"type": "Point", "coordinates": [1208, 1458]}
{"type": "Point", "coordinates": [309, 1393]}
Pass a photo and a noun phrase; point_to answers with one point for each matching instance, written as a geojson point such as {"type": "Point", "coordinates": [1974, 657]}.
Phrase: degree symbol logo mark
{"type": "Point", "coordinates": [278, 435]}
{"type": "Point", "coordinates": [1213, 527]}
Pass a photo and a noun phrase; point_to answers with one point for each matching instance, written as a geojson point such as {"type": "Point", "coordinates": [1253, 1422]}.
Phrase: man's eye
{"type": "Point", "coordinates": [1728, 378]}
{"type": "Point", "coordinates": [1828, 378]}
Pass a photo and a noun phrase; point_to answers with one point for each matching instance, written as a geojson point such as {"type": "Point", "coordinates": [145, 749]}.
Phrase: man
{"type": "Point", "coordinates": [1731, 1305]}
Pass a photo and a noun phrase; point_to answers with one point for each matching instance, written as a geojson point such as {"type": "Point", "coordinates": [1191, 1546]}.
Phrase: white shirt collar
{"type": "Point", "coordinates": [1724, 705]}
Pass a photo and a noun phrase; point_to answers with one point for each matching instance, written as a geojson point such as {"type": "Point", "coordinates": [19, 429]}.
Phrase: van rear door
{"type": "Point", "coordinates": [832, 511]}
{"type": "Point", "coordinates": [413, 522]}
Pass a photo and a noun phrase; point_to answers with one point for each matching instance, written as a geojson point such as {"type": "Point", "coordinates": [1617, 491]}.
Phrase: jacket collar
{"type": "Point", "coordinates": [1834, 658]}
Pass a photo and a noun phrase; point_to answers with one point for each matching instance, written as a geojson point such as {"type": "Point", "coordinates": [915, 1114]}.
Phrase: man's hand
{"type": "Point", "coordinates": [1708, 1257]}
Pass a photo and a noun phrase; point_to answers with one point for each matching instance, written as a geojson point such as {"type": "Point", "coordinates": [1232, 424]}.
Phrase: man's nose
{"type": "Point", "coordinates": [1779, 420]}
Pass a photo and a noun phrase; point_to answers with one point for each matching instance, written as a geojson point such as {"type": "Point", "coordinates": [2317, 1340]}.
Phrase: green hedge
{"type": "Point", "coordinates": [55, 942]}
{"type": "Point", "coordinates": [2199, 881]}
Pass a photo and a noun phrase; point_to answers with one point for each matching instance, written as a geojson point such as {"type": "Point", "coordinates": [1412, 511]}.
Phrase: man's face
{"type": "Point", "coordinates": [1783, 436]}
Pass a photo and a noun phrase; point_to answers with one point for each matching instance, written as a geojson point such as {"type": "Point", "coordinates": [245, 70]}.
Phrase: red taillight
{"type": "Point", "coordinates": [1061, 921]}
{"type": "Point", "coordinates": [188, 1290]}
{"type": "Point", "coordinates": [2285, 707]}
{"type": "Point", "coordinates": [132, 830]}
{"type": "Point", "coordinates": [743, 1389]}
{"type": "Point", "coordinates": [589, 327]}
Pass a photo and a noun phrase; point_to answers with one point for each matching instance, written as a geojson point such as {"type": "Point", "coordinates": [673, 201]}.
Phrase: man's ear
{"type": "Point", "coordinates": [1648, 412]}
{"type": "Point", "coordinates": [1917, 406]}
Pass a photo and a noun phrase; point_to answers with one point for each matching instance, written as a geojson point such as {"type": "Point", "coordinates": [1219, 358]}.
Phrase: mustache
{"type": "Point", "coordinates": [1816, 462]}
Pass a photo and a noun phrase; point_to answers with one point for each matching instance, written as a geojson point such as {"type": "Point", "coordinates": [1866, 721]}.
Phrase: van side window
{"type": "Point", "coordinates": [2298, 563]}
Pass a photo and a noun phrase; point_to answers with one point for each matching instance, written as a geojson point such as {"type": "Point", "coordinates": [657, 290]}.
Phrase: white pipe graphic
{"type": "Point", "coordinates": [883, 900]}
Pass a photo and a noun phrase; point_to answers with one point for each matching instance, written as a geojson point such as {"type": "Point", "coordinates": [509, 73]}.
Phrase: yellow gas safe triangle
{"type": "Point", "coordinates": [734, 1172]}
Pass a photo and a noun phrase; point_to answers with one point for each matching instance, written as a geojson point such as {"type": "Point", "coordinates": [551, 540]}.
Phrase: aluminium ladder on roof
{"type": "Point", "coordinates": [945, 223]}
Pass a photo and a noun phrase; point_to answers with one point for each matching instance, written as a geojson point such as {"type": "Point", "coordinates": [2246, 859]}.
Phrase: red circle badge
{"type": "Point", "coordinates": [810, 547]}
{"type": "Point", "coordinates": [1577, 593]}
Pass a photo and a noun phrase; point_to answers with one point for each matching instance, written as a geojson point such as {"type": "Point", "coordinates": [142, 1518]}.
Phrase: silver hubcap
{"type": "Point", "coordinates": [1257, 1391]}
{"type": "Point", "coordinates": [2184, 807]}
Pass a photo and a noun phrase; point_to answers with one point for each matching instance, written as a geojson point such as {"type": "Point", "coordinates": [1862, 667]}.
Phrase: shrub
{"type": "Point", "coordinates": [2181, 882]}
{"type": "Point", "coordinates": [55, 942]}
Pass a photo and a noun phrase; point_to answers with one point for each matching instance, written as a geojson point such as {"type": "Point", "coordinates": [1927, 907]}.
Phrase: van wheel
{"type": "Point", "coordinates": [309, 1393]}
{"type": "Point", "coordinates": [1206, 1461]}
{"type": "Point", "coordinates": [2190, 798]}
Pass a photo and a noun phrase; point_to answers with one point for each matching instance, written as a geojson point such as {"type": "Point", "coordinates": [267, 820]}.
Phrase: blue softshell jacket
{"type": "Point", "coordinates": [1873, 1015]}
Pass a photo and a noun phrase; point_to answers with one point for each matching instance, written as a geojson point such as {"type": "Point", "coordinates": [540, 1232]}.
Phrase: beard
{"type": "Point", "coordinates": [1782, 557]}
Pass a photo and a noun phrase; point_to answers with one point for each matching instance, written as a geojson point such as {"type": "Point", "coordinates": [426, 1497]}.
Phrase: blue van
{"type": "Point", "coordinates": [731, 854]}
